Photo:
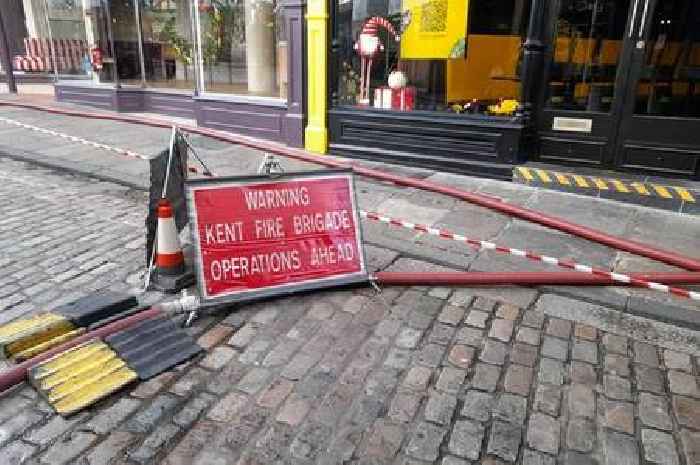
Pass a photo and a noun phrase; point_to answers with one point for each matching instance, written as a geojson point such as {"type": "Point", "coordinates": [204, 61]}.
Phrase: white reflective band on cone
{"type": "Point", "coordinates": [168, 240]}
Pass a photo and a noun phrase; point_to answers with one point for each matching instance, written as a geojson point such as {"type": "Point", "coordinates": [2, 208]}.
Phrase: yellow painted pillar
{"type": "Point", "coordinates": [316, 134]}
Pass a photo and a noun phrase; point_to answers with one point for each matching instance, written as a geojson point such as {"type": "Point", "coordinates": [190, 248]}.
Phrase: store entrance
{"type": "Point", "coordinates": [622, 86]}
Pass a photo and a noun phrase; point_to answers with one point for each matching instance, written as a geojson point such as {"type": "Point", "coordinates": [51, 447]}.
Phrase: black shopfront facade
{"type": "Point", "coordinates": [597, 83]}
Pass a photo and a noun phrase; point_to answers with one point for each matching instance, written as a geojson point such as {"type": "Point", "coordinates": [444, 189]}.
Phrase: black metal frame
{"type": "Point", "coordinates": [620, 139]}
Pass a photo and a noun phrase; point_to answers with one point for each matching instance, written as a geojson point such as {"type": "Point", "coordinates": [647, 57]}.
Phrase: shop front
{"type": "Point", "coordinates": [231, 65]}
{"type": "Point", "coordinates": [431, 83]}
{"type": "Point", "coordinates": [476, 86]}
{"type": "Point", "coordinates": [622, 86]}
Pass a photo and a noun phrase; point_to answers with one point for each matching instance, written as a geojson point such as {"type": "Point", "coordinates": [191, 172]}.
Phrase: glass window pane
{"type": "Point", "coordinates": [125, 33]}
{"type": "Point", "coordinates": [68, 42]}
{"type": "Point", "coordinates": [21, 24]}
{"type": "Point", "coordinates": [244, 49]}
{"type": "Point", "coordinates": [669, 84]}
{"type": "Point", "coordinates": [587, 50]}
{"type": "Point", "coordinates": [167, 44]}
{"type": "Point", "coordinates": [52, 38]}
{"type": "Point", "coordinates": [407, 55]}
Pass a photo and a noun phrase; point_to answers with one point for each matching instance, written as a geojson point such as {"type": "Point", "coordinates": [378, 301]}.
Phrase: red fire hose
{"type": "Point", "coordinates": [18, 373]}
{"type": "Point", "coordinates": [486, 201]}
{"type": "Point", "coordinates": [562, 278]}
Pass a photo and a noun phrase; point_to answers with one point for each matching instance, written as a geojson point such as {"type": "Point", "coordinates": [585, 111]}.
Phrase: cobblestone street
{"type": "Point", "coordinates": [422, 375]}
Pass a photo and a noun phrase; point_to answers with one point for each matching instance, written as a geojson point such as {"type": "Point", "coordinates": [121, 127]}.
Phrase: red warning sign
{"type": "Point", "coordinates": [258, 236]}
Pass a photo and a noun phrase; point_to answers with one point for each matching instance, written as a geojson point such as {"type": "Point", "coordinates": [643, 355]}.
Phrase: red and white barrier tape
{"type": "Point", "coordinates": [128, 153]}
{"type": "Point", "coordinates": [486, 245]}
{"type": "Point", "coordinates": [80, 140]}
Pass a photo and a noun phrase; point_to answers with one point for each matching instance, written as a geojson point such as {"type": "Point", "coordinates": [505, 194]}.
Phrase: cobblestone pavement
{"type": "Point", "coordinates": [63, 236]}
{"type": "Point", "coordinates": [410, 376]}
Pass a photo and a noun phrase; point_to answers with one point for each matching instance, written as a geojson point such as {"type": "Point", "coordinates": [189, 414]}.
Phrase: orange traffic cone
{"type": "Point", "coordinates": [169, 257]}
{"type": "Point", "coordinates": [170, 271]}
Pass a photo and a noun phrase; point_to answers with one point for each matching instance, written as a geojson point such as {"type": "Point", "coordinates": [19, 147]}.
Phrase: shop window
{"type": "Point", "coordinates": [168, 56]}
{"type": "Point", "coordinates": [242, 43]}
{"type": "Point", "coordinates": [587, 47]}
{"type": "Point", "coordinates": [670, 79]}
{"type": "Point", "coordinates": [63, 37]}
{"type": "Point", "coordinates": [126, 45]}
{"type": "Point", "coordinates": [458, 56]}
{"type": "Point", "coordinates": [243, 47]}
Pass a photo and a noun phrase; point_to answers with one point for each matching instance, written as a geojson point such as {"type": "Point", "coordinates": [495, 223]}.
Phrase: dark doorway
{"type": "Point", "coordinates": [621, 88]}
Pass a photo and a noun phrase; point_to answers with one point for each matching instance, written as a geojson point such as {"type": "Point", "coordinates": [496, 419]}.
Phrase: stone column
{"type": "Point", "coordinates": [260, 47]}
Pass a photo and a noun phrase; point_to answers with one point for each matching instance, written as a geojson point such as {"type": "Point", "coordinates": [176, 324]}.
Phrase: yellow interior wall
{"type": "Point", "coordinates": [610, 52]}
{"type": "Point", "coordinates": [487, 56]}
{"type": "Point", "coordinates": [583, 51]}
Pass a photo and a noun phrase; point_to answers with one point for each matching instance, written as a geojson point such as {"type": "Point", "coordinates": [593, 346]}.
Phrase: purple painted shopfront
{"type": "Point", "coordinates": [230, 65]}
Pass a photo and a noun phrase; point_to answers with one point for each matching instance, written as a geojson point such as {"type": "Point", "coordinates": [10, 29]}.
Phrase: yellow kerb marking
{"type": "Point", "coordinates": [619, 185]}
{"type": "Point", "coordinates": [562, 179]}
{"type": "Point", "coordinates": [600, 184]}
{"type": "Point", "coordinates": [581, 181]}
{"type": "Point", "coordinates": [525, 173]}
{"type": "Point", "coordinates": [640, 188]}
{"type": "Point", "coordinates": [684, 194]}
{"type": "Point", "coordinates": [543, 175]}
{"type": "Point", "coordinates": [662, 191]}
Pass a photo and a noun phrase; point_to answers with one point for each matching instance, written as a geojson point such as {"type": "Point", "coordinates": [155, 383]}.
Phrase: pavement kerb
{"type": "Point", "coordinates": [649, 308]}
{"type": "Point", "coordinates": [616, 242]}
{"type": "Point", "coordinates": [47, 162]}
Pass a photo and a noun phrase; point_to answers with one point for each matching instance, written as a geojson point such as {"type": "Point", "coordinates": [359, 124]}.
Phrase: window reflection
{"type": "Point", "coordinates": [66, 37]}
{"type": "Point", "coordinates": [167, 44]}
{"type": "Point", "coordinates": [587, 51]}
{"type": "Point", "coordinates": [434, 55]}
{"type": "Point", "coordinates": [244, 50]}
{"type": "Point", "coordinates": [670, 80]}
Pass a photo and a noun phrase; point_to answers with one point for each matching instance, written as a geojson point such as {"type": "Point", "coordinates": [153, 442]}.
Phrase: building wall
{"type": "Point", "coordinates": [268, 117]}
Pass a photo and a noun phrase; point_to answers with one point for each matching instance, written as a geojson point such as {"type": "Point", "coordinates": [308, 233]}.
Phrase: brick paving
{"type": "Point", "coordinates": [411, 376]}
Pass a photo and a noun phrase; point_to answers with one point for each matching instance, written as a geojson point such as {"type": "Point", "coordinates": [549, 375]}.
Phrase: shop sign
{"type": "Point", "coordinates": [561, 123]}
{"type": "Point", "coordinates": [259, 236]}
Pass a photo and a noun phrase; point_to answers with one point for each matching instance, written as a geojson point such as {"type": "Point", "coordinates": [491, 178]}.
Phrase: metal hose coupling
{"type": "Point", "coordinates": [188, 304]}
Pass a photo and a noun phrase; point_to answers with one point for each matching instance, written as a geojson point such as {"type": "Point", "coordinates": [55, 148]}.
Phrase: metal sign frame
{"type": "Point", "coordinates": [193, 185]}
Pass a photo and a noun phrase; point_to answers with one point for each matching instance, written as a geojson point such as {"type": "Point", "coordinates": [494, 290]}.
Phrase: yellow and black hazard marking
{"type": "Point", "coordinates": [81, 376]}
{"type": "Point", "coordinates": [22, 339]}
{"type": "Point", "coordinates": [607, 187]}
{"type": "Point", "coordinates": [27, 337]}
